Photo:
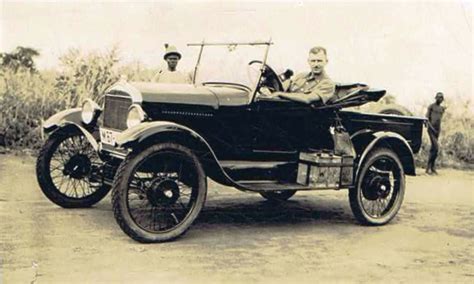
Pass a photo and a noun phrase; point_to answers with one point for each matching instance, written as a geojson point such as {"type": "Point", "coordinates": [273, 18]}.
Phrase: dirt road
{"type": "Point", "coordinates": [240, 238]}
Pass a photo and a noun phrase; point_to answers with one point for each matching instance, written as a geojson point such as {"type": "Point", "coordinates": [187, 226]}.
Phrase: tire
{"type": "Point", "coordinates": [278, 196]}
{"type": "Point", "coordinates": [68, 170]}
{"type": "Point", "coordinates": [162, 184]}
{"type": "Point", "coordinates": [380, 188]}
{"type": "Point", "coordinates": [393, 109]}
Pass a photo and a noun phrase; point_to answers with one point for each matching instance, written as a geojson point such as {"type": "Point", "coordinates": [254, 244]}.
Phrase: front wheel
{"type": "Point", "coordinates": [379, 190]}
{"type": "Point", "coordinates": [68, 170]}
{"type": "Point", "coordinates": [158, 192]}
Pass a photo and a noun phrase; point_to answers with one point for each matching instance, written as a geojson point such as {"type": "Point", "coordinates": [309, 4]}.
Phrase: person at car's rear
{"type": "Point", "coordinates": [434, 115]}
{"type": "Point", "coordinates": [171, 75]}
{"type": "Point", "coordinates": [313, 86]}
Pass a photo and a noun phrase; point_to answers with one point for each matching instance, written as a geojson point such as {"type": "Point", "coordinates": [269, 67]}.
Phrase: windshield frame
{"type": "Point", "coordinates": [234, 44]}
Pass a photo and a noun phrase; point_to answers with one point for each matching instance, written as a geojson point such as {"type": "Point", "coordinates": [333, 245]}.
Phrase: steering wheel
{"type": "Point", "coordinates": [269, 78]}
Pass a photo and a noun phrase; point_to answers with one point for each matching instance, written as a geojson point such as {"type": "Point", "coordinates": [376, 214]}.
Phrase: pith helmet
{"type": "Point", "coordinates": [439, 95]}
{"type": "Point", "coordinates": [171, 50]}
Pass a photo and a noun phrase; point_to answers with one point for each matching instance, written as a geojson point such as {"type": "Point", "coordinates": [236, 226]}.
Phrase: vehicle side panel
{"type": "Point", "coordinates": [410, 128]}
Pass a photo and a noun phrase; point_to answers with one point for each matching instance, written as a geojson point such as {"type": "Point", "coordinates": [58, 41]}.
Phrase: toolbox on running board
{"type": "Point", "coordinates": [325, 170]}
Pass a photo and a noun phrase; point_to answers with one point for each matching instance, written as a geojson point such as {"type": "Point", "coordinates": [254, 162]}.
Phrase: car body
{"type": "Point", "coordinates": [151, 142]}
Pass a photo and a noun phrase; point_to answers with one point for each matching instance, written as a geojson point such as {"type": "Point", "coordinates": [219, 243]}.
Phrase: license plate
{"type": "Point", "coordinates": [108, 136]}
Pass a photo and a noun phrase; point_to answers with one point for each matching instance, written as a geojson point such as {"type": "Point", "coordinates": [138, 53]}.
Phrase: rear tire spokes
{"type": "Point", "coordinates": [381, 186]}
{"type": "Point", "coordinates": [73, 166]}
{"type": "Point", "coordinates": [162, 191]}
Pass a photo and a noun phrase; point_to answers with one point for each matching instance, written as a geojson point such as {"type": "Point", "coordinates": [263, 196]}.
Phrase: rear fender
{"type": "Point", "coordinates": [367, 141]}
{"type": "Point", "coordinates": [67, 119]}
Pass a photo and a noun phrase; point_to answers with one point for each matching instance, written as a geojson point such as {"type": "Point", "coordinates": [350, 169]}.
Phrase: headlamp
{"type": "Point", "coordinates": [135, 115]}
{"type": "Point", "coordinates": [89, 111]}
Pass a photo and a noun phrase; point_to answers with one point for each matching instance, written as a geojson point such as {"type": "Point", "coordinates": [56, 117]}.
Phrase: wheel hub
{"type": "Point", "coordinates": [77, 167]}
{"type": "Point", "coordinates": [163, 192]}
{"type": "Point", "coordinates": [377, 187]}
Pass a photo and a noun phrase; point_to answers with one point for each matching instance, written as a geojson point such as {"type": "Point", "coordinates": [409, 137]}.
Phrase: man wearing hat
{"type": "Point", "coordinates": [434, 114]}
{"type": "Point", "coordinates": [170, 75]}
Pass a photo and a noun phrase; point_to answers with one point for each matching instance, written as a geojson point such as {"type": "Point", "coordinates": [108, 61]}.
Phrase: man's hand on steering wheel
{"type": "Point", "coordinates": [269, 78]}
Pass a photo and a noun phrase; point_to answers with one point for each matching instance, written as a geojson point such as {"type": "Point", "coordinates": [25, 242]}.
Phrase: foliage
{"type": "Point", "coordinates": [85, 76]}
{"type": "Point", "coordinates": [26, 98]}
{"type": "Point", "coordinates": [20, 59]}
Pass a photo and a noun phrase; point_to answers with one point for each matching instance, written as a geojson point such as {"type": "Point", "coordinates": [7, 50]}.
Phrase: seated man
{"type": "Point", "coordinates": [311, 87]}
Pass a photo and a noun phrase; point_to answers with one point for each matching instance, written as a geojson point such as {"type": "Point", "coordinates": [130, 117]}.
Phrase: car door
{"type": "Point", "coordinates": [283, 126]}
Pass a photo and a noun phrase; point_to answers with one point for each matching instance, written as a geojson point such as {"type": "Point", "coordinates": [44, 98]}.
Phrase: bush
{"type": "Point", "coordinates": [26, 98]}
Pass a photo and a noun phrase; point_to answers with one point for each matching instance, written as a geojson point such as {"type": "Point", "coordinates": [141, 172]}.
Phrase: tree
{"type": "Point", "coordinates": [21, 58]}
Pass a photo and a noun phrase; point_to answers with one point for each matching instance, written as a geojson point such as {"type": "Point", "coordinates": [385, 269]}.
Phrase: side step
{"type": "Point", "coordinates": [277, 186]}
{"type": "Point", "coordinates": [260, 170]}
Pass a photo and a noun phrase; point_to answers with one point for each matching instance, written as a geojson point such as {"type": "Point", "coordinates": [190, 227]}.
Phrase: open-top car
{"type": "Point", "coordinates": [156, 144]}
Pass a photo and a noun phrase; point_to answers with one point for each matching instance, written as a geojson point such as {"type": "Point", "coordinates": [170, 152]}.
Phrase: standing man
{"type": "Point", "coordinates": [313, 86]}
{"type": "Point", "coordinates": [171, 75]}
{"type": "Point", "coordinates": [434, 114]}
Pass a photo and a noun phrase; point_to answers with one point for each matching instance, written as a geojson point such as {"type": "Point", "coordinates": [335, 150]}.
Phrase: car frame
{"type": "Point", "coordinates": [158, 156]}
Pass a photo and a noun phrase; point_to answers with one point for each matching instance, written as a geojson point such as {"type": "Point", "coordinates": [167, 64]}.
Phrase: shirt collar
{"type": "Point", "coordinates": [311, 76]}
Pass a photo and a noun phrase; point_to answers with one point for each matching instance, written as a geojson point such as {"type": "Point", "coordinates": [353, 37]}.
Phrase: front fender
{"type": "Point", "coordinates": [395, 142]}
{"type": "Point", "coordinates": [137, 134]}
{"type": "Point", "coordinates": [62, 118]}
{"type": "Point", "coordinates": [151, 132]}
{"type": "Point", "coordinates": [67, 119]}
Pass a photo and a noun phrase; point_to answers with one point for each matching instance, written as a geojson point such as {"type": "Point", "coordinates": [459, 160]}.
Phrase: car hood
{"type": "Point", "coordinates": [214, 95]}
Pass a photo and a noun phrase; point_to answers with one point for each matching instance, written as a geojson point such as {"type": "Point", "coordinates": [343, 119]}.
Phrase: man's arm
{"type": "Point", "coordinates": [297, 97]}
{"type": "Point", "coordinates": [322, 91]}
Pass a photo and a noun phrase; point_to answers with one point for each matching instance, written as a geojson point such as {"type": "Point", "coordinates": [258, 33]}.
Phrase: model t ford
{"type": "Point", "coordinates": [156, 144]}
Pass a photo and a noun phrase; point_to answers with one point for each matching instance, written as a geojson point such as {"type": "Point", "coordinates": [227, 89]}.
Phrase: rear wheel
{"type": "Point", "coordinates": [68, 170]}
{"type": "Point", "coordinates": [280, 195]}
{"type": "Point", "coordinates": [159, 192]}
{"type": "Point", "coordinates": [379, 190]}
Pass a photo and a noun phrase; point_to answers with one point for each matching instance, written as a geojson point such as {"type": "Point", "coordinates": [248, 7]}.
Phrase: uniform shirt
{"type": "Point", "coordinates": [313, 85]}
{"type": "Point", "coordinates": [172, 77]}
{"type": "Point", "coordinates": [434, 114]}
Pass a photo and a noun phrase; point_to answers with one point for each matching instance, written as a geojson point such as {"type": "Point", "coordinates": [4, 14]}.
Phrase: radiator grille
{"type": "Point", "coordinates": [115, 112]}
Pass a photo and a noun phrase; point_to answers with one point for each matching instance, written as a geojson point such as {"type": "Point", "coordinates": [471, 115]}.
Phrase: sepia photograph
{"type": "Point", "coordinates": [236, 141]}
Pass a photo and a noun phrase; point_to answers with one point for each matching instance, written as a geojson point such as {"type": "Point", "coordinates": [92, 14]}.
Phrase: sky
{"type": "Point", "coordinates": [410, 48]}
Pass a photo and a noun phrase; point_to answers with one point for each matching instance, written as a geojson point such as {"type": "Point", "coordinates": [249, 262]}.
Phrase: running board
{"type": "Point", "coordinates": [258, 170]}
{"type": "Point", "coordinates": [277, 186]}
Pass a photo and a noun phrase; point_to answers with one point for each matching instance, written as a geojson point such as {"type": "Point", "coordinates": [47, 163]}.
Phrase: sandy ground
{"type": "Point", "coordinates": [240, 238]}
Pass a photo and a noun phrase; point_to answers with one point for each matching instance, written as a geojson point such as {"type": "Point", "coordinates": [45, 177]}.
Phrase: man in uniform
{"type": "Point", "coordinates": [171, 75]}
{"type": "Point", "coordinates": [313, 86]}
{"type": "Point", "coordinates": [434, 114]}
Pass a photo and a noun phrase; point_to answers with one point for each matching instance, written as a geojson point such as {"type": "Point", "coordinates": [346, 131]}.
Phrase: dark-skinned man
{"type": "Point", "coordinates": [434, 114]}
{"type": "Point", "coordinates": [171, 75]}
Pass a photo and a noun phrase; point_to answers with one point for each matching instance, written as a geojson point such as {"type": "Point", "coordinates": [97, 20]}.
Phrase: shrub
{"type": "Point", "coordinates": [26, 98]}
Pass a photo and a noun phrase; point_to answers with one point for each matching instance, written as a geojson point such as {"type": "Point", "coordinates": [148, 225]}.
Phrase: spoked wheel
{"type": "Point", "coordinates": [380, 188]}
{"type": "Point", "coordinates": [159, 192]}
{"type": "Point", "coordinates": [68, 170]}
{"type": "Point", "coordinates": [280, 195]}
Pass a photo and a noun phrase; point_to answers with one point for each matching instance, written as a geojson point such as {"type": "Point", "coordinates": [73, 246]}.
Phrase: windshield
{"type": "Point", "coordinates": [230, 64]}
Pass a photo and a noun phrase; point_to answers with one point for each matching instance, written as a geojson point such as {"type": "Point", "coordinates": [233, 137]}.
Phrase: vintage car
{"type": "Point", "coordinates": [155, 145]}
